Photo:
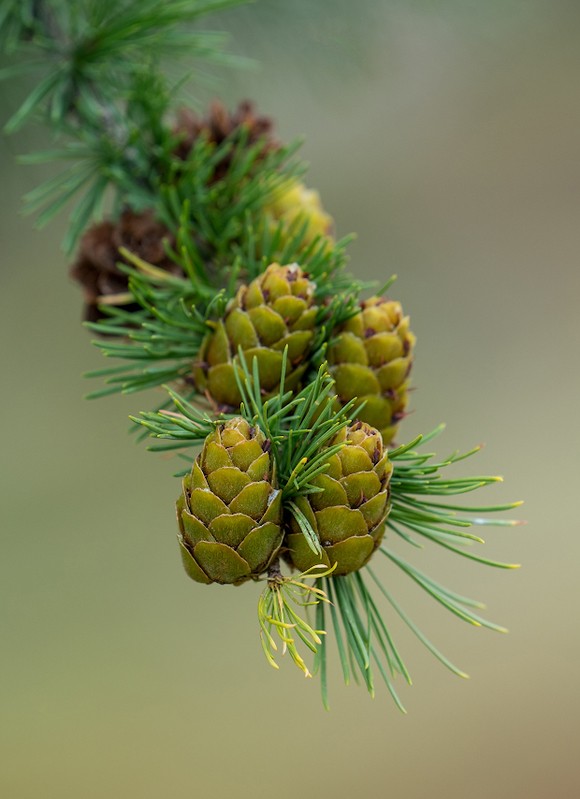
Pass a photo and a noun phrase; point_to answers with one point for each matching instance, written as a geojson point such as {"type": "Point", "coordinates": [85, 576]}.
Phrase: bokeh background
{"type": "Point", "coordinates": [446, 134]}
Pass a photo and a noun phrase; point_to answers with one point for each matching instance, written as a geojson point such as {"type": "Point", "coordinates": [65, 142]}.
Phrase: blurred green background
{"type": "Point", "coordinates": [446, 134]}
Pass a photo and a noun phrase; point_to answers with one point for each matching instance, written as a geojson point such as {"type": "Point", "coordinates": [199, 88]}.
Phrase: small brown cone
{"type": "Point", "coordinates": [218, 124]}
{"type": "Point", "coordinates": [95, 267]}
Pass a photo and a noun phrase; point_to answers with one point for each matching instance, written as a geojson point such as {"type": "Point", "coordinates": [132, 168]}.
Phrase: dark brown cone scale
{"type": "Point", "coordinates": [95, 267]}
{"type": "Point", "coordinates": [220, 123]}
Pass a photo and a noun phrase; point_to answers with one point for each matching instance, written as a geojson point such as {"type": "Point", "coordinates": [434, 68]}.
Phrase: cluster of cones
{"type": "Point", "coordinates": [230, 514]}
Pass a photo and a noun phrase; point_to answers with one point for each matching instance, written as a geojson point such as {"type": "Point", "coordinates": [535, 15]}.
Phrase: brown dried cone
{"type": "Point", "coordinates": [218, 125]}
{"type": "Point", "coordinates": [273, 312]}
{"type": "Point", "coordinates": [96, 267]}
{"type": "Point", "coordinates": [229, 512]}
{"type": "Point", "coordinates": [371, 358]}
{"type": "Point", "coordinates": [348, 514]}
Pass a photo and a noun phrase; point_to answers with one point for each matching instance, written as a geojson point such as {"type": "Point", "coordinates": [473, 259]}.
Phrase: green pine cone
{"type": "Point", "coordinates": [371, 359]}
{"type": "Point", "coordinates": [295, 201]}
{"type": "Point", "coordinates": [274, 311]}
{"type": "Point", "coordinates": [229, 512]}
{"type": "Point", "coordinates": [348, 515]}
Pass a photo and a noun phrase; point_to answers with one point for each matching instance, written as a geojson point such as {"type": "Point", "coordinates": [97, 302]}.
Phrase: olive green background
{"type": "Point", "coordinates": [447, 136]}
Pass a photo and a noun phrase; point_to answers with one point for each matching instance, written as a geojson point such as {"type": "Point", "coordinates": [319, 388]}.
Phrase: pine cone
{"type": "Point", "coordinates": [96, 268]}
{"type": "Point", "coordinates": [348, 515]}
{"type": "Point", "coordinates": [371, 359]}
{"type": "Point", "coordinates": [295, 200]}
{"type": "Point", "coordinates": [273, 311]}
{"type": "Point", "coordinates": [229, 511]}
{"type": "Point", "coordinates": [220, 124]}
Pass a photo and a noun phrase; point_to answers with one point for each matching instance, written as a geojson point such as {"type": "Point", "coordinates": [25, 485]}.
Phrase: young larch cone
{"type": "Point", "coordinates": [348, 512]}
{"type": "Point", "coordinates": [229, 511]}
{"type": "Point", "coordinates": [370, 359]}
{"type": "Point", "coordinates": [274, 311]}
{"type": "Point", "coordinates": [295, 203]}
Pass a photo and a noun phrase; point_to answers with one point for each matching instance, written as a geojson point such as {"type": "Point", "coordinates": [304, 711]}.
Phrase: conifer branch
{"type": "Point", "coordinates": [219, 277]}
